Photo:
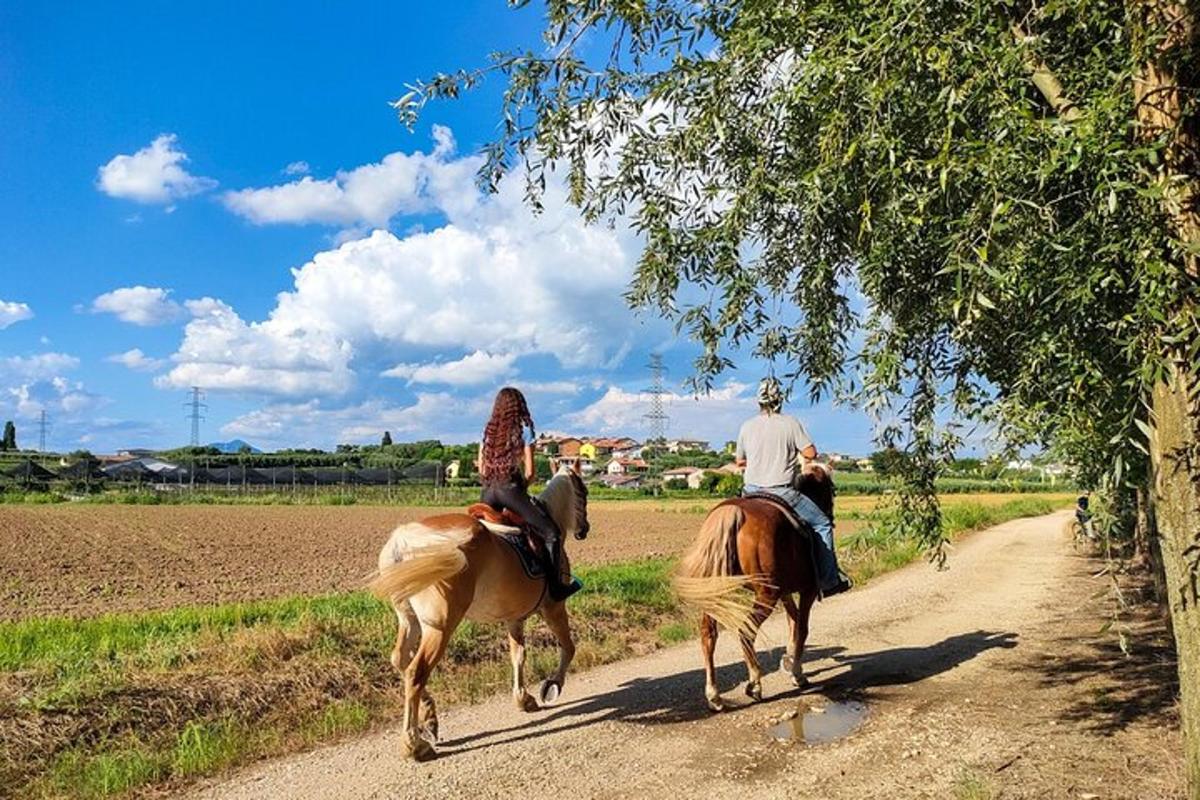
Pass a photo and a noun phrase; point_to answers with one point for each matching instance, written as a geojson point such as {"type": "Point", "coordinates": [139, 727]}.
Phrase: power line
{"type": "Point", "coordinates": [657, 418]}
{"type": "Point", "coordinates": [196, 410]}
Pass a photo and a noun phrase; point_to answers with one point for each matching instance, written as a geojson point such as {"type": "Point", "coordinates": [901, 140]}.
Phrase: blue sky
{"type": "Point", "coordinates": [220, 195]}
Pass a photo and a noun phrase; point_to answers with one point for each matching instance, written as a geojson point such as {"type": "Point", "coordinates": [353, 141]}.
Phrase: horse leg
{"type": "Point", "coordinates": [430, 650]}
{"type": "Point", "coordinates": [407, 637]}
{"type": "Point", "coordinates": [788, 662]}
{"type": "Point", "coordinates": [555, 614]}
{"type": "Point", "coordinates": [765, 599]}
{"type": "Point", "coordinates": [708, 644]}
{"type": "Point", "coordinates": [516, 652]}
{"type": "Point", "coordinates": [798, 616]}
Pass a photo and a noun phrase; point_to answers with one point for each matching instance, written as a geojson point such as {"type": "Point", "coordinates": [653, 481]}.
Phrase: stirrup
{"type": "Point", "coordinates": [563, 591]}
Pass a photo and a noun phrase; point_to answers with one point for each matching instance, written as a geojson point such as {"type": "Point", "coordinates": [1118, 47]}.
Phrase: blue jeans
{"type": "Point", "coordinates": [806, 509]}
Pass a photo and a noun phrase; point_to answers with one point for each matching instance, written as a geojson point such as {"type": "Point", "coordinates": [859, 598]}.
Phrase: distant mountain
{"type": "Point", "coordinates": [234, 446]}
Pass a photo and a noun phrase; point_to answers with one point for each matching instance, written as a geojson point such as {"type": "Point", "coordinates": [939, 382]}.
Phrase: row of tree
{"type": "Point", "coordinates": [1013, 188]}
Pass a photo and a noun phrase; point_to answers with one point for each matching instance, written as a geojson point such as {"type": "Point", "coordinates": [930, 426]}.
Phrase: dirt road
{"type": "Point", "coordinates": [989, 679]}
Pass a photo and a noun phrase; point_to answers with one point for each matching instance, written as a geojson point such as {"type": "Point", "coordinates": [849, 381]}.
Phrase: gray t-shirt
{"type": "Point", "coordinates": [771, 445]}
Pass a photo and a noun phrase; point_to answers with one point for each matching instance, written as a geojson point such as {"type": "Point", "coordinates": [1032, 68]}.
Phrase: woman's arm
{"type": "Point", "coordinates": [529, 472]}
{"type": "Point", "coordinates": [479, 459]}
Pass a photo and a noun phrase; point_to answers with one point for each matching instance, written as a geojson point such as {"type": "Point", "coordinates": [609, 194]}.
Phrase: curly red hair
{"type": "Point", "coordinates": [504, 436]}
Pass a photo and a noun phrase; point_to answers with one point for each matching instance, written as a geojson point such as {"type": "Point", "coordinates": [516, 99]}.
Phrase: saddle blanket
{"type": "Point", "coordinates": [531, 562]}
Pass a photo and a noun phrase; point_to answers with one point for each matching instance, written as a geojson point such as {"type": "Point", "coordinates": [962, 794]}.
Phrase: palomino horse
{"type": "Point", "coordinates": [451, 567]}
{"type": "Point", "coordinates": [749, 543]}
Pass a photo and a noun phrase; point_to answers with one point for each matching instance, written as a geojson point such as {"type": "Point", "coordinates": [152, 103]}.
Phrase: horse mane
{"type": "Point", "coordinates": [552, 497]}
{"type": "Point", "coordinates": [815, 482]}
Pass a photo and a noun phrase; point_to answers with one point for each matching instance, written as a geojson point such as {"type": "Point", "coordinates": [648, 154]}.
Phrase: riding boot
{"type": "Point", "coordinates": [555, 586]}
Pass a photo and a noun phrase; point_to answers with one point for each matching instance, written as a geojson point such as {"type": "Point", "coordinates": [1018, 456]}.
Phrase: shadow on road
{"type": "Point", "coordinates": [1115, 688]}
{"type": "Point", "coordinates": [680, 697]}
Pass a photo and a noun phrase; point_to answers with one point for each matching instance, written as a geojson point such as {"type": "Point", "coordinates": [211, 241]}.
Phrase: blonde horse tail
{"type": "Point", "coordinates": [415, 558]}
{"type": "Point", "coordinates": [704, 578]}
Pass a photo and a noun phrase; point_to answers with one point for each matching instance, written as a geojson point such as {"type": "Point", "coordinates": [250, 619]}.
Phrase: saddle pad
{"type": "Point", "coordinates": [531, 562]}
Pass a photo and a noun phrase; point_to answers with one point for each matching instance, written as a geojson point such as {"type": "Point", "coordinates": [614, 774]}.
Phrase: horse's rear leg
{"type": "Point", "coordinates": [708, 644]}
{"type": "Point", "coordinates": [798, 616]}
{"type": "Point", "coordinates": [555, 614]}
{"type": "Point", "coordinates": [418, 705]}
{"type": "Point", "coordinates": [407, 637]}
{"type": "Point", "coordinates": [765, 599]}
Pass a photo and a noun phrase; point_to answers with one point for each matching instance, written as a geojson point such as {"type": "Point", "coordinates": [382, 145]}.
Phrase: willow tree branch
{"type": "Point", "coordinates": [1045, 80]}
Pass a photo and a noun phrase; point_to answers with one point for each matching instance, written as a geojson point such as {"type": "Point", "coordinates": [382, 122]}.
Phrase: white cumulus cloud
{"type": "Point", "coordinates": [471, 370]}
{"type": "Point", "coordinates": [31, 384]}
{"type": "Point", "coordinates": [222, 351]}
{"type": "Point", "coordinates": [135, 359]}
{"type": "Point", "coordinates": [369, 195]}
{"type": "Point", "coordinates": [494, 280]}
{"type": "Point", "coordinates": [154, 174]}
{"type": "Point", "coordinates": [12, 312]}
{"type": "Point", "coordinates": [296, 168]}
{"type": "Point", "coordinates": [715, 416]}
{"type": "Point", "coordinates": [139, 305]}
{"type": "Point", "coordinates": [312, 424]}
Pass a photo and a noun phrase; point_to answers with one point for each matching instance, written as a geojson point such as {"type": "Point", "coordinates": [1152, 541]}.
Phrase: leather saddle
{"type": "Point", "coordinates": [802, 528]}
{"type": "Point", "coordinates": [496, 516]}
{"type": "Point", "coordinates": [511, 528]}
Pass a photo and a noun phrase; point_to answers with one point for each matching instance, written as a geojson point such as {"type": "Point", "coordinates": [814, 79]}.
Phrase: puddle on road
{"type": "Point", "coordinates": [823, 724]}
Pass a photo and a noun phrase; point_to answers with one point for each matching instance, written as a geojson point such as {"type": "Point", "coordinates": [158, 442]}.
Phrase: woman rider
{"type": "Point", "coordinates": [505, 469]}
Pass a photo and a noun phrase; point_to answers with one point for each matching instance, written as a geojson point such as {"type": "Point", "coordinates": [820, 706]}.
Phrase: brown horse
{"type": "Point", "coordinates": [451, 567]}
{"type": "Point", "coordinates": [749, 543]}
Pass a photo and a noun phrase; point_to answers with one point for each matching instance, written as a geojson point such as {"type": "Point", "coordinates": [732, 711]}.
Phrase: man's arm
{"type": "Point", "coordinates": [804, 443]}
{"type": "Point", "coordinates": [739, 451]}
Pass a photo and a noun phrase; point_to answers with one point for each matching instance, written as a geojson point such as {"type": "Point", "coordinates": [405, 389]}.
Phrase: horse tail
{"type": "Point", "coordinates": [415, 558]}
{"type": "Point", "coordinates": [705, 578]}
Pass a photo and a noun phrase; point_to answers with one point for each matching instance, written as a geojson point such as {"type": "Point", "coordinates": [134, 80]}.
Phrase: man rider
{"type": "Point", "coordinates": [769, 446]}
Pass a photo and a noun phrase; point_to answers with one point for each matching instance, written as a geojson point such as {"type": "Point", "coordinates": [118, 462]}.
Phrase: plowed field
{"type": "Point", "coordinates": [85, 560]}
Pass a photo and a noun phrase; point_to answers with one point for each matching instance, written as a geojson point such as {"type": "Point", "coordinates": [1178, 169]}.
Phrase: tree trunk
{"type": "Point", "coordinates": [1141, 529]}
{"type": "Point", "coordinates": [1167, 30]}
{"type": "Point", "coordinates": [1177, 506]}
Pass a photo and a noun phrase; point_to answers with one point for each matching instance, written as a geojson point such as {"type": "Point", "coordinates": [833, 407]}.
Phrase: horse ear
{"type": "Point", "coordinates": [577, 469]}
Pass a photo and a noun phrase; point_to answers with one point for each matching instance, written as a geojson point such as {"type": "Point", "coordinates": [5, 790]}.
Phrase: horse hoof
{"type": "Point", "coordinates": [419, 749]}
{"type": "Point", "coordinates": [526, 702]}
{"type": "Point", "coordinates": [801, 681]}
{"type": "Point", "coordinates": [429, 731]}
{"type": "Point", "coordinates": [549, 692]}
{"type": "Point", "coordinates": [754, 691]}
{"type": "Point", "coordinates": [715, 704]}
{"type": "Point", "coordinates": [787, 664]}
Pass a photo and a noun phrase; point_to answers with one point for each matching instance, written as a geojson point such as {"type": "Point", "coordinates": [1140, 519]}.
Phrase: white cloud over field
{"type": "Point", "coordinates": [432, 415]}
{"type": "Point", "coordinates": [139, 305]}
{"type": "Point", "coordinates": [153, 175]}
{"type": "Point", "coordinates": [369, 195]}
{"type": "Point", "coordinates": [456, 305]}
{"type": "Point", "coordinates": [471, 370]}
{"type": "Point", "coordinates": [13, 312]}
{"type": "Point", "coordinates": [136, 360]}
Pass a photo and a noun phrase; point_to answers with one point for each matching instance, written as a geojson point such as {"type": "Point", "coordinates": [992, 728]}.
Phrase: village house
{"type": "Point", "coordinates": [626, 466]}
{"type": "Point", "coordinates": [685, 445]}
{"type": "Point", "coordinates": [621, 481]}
{"type": "Point", "coordinates": [585, 466]}
{"type": "Point", "coordinates": [694, 476]}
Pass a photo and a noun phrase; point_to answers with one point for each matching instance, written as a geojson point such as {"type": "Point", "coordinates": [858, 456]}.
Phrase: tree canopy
{"type": "Point", "coordinates": [967, 179]}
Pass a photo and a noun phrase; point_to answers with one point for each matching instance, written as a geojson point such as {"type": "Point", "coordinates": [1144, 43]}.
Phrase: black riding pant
{"type": "Point", "coordinates": [515, 498]}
